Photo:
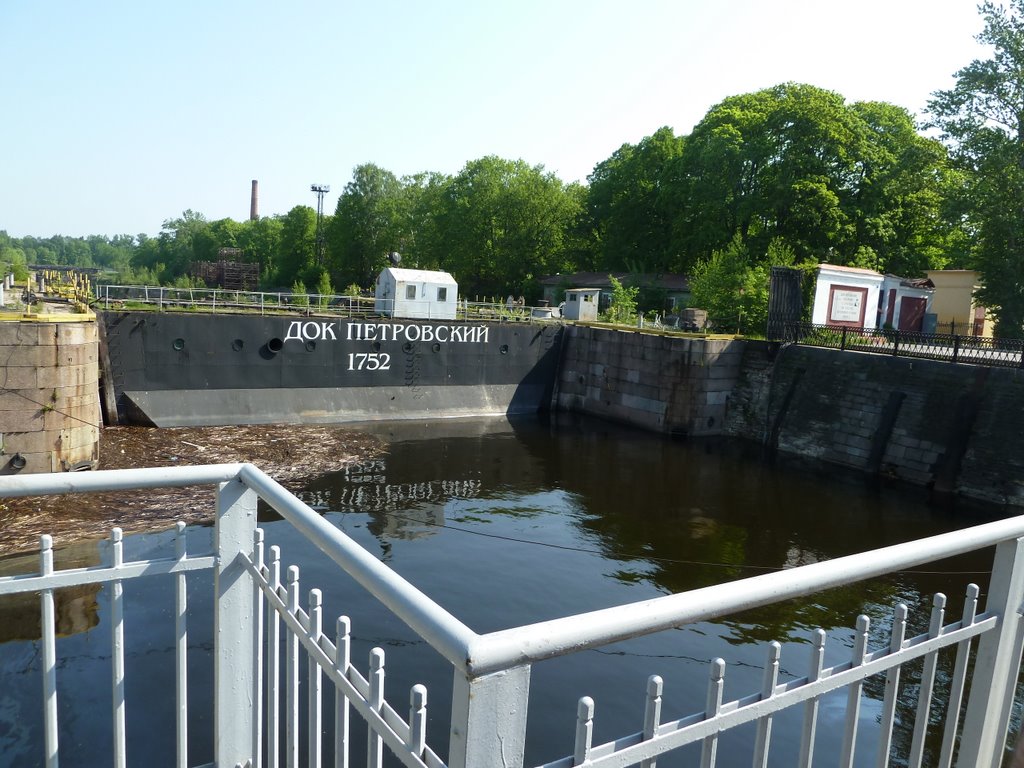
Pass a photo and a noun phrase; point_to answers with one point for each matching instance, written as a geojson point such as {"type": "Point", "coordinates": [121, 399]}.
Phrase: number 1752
{"type": "Point", "coordinates": [369, 361]}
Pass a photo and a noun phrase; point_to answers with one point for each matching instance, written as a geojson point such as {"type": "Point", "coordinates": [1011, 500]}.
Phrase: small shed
{"type": "Point", "coordinates": [416, 293]}
{"type": "Point", "coordinates": [581, 303]}
{"type": "Point", "coordinates": [846, 296]}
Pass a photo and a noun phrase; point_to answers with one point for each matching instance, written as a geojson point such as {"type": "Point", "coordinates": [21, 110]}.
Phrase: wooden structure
{"type": "Point", "coordinates": [230, 275]}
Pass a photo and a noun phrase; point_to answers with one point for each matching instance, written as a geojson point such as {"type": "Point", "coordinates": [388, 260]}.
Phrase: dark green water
{"type": "Point", "coordinates": [507, 524]}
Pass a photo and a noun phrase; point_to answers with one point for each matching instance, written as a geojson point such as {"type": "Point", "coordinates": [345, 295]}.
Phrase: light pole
{"type": "Point", "coordinates": [321, 190]}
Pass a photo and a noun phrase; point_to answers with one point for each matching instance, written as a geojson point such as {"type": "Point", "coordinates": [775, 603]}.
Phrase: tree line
{"type": "Point", "coordinates": [792, 174]}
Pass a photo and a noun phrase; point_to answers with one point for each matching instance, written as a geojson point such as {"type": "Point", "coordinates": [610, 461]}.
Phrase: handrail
{"type": "Point", "coordinates": [449, 636]}
{"type": "Point", "coordinates": [446, 633]}
{"type": "Point", "coordinates": [503, 649]}
{"type": "Point", "coordinates": [490, 696]}
{"type": "Point", "coordinates": [308, 303]}
{"type": "Point", "coordinates": [116, 479]}
{"type": "Point", "coordinates": [508, 648]}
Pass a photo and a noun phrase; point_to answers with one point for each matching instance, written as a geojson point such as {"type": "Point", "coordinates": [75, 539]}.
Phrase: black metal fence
{"type": "Point", "coordinates": [976, 350]}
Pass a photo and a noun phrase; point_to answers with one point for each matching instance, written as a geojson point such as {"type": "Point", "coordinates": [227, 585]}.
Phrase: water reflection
{"type": "Point", "coordinates": [75, 608]}
{"type": "Point", "coordinates": [510, 523]}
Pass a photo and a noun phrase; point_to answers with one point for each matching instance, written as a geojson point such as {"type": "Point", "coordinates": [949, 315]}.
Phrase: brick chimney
{"type": "Point", "coordinates": [254, 203]}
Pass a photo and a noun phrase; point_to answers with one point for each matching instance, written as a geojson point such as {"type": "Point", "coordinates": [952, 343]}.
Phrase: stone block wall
{"type": "Point", "coordinates": [957, 428]}
{"type": "Point", "coordinates": [666, 383]}
{"type": "Point", "coordinates": [49, 396]}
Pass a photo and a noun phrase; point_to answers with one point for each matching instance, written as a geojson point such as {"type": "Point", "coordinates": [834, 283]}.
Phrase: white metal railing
{"type": "Point", "coordinates": [256, 611]}
{"type": "Point", "coordinates": [220, 299]}
{"type": "Point", "coordinates": [214, 300]}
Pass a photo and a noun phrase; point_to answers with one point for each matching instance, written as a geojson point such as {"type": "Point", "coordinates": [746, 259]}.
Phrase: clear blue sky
{"type": "Point", "coordinates": [120, 115]}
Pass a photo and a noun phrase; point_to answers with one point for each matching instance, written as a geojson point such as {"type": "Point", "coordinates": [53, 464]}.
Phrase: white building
{"type": "Point", "coordinates": [416, 293]}
{"type": "Point", "coordinates": [846, 296]}
{"type": "Point", "coordinates": [863, 298]}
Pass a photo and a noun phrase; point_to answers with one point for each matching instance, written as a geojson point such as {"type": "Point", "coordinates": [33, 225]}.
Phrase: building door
{"type": "Point", "coordinates": [912, 313]}
{"type": "Point", "coordinates": [979, 322]}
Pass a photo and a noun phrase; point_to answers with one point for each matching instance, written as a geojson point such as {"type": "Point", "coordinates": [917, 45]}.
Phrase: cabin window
{"type": "Point", "coordinates": [410, 291]}
{"type": "Point", "coordinates": [572, 297]}
{"type": "Point", "coordinates": [442, 294]}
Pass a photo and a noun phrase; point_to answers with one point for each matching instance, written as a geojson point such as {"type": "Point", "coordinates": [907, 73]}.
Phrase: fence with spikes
{"type": "Point", "coordinates": [260, 618]}
{"type": "Point", "coordinates": [718, 716]}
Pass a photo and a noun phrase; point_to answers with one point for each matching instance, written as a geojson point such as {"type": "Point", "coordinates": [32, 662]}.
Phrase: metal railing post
{"type": "Point", "coordinates": [234, 642]}
{"type": "Point", "coordinates": [995, 671]}
{"type": "Point", "coordinates": [49, 647]}
{"type": "Point", "coordinates": [488, 711]}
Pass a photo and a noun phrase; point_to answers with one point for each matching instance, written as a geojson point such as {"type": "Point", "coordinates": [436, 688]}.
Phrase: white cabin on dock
{"type": "Point", "coordinates": [416, 293]}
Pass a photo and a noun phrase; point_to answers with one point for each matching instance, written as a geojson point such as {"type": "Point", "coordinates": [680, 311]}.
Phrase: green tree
{"type": "Point", "coordinates": [733, 287]}
{"type": "Point", "coordinates": [631, 211]}
{"type": "Point", "coordinates": [580, 244]}
{"type": "Point", "coordinates": [300, 297]}
{"type": "Point", "coordinates": [297, 254]}
{"type": "Point", "coordinates": [224, 233]}
{"type": "Point", "coordinates": [113, 253]}
{"type": "Point", "coordinates": [900, 195]}
{"type": "Point", "coordinates": [504, 224]}
{"type": "Point", "coordinates": [146, 256]}
{"type": "Point", "coordinates": [798, 163]}
{"type": "Point", "coordinates": [717, 284]}
{"type": "Point", "coordinates": [324, 288]}
{"type": "Point", "coordinates": [622, 309]}
{"type": "Point", "coordinates": [982, 118]}
{"type": "Point", "coordinates": [14, 258]}
{"type": "Point", "coordinates": [183, 241]}
{"type": "Point", "coordinates": [419, 207]}
{"type": "Point", "coordinates": [260, 241]}
{"type": "Point", "coordinates": [366, 225]}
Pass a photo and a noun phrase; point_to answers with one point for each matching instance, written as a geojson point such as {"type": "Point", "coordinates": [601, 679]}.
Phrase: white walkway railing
{"type": "Point", "coordinates": [213, 300]}
{"type": "Point", "coordinates": [256, 704]}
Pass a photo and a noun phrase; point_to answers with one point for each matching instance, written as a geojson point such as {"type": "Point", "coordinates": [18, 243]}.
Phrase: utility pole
{"type": "Point", "coordinates": [321, 190]}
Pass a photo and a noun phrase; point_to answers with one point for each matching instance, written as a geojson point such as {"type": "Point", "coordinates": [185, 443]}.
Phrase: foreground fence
{"type": "Point", "coordinates": [258, 612]}
{"type": "Point", "coordinates": [977, 350]}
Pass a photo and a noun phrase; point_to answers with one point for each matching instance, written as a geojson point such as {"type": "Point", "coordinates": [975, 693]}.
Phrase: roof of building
{"type": "Point", "coordinates": [403, 275]}
{"type": "Point", "coordinates": [855, 270]}
{"type": "Point", "coordinates": [915, 282]}
{"type": "Point", "coordinates": [674, 283]}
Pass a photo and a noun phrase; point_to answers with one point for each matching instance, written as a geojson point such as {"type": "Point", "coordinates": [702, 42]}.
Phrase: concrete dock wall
{"type": "Point", "coordinates": [49, 396]}
{"type": "Point", "coordinates": [666, 383]}
{"type": "Point", "coordinates": [957, 429]}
